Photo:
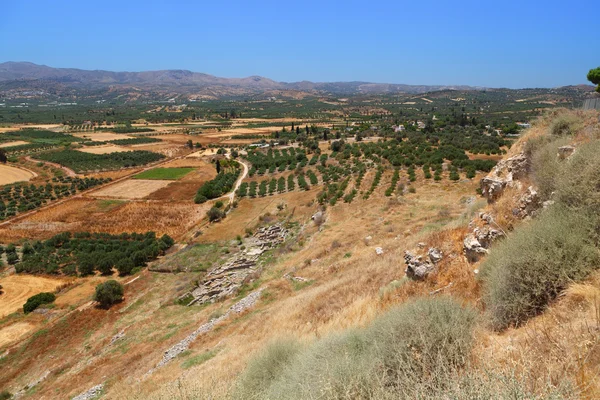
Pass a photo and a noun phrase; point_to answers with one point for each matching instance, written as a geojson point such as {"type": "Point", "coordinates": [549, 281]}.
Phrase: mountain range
{"type": "Point", "coordinates": [26, 75]}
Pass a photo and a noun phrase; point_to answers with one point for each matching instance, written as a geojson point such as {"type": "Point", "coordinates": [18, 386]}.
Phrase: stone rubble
{"type": "Point", "coordinates": [528, 204]}
{"type": "Point", "coordinates": [226, 279]}
{"type": "Point", "coordinates": [118, 336]}
{"type": "Point", "coordinates": [240, 306]}
{"type": "Point", "coordinates": [477, 243]}
{"type": "Point", "coordinates": [417, 268]}
{"type": "Point", "coordinates": [91, 393]}
{"type": "Point", "coordinates": [502, 175]}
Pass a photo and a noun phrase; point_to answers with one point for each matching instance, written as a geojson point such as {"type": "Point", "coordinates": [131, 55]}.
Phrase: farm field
{"type": "Point", "coordinates": [9, 174]}
{"type": "Point", "coordinates": [108, 216]}
{"type": "Point", "coordinates": [101, 136]}
{"type": "Point", "coordinates": [131, 189]}
{"type": "Point", "coordinates": [164, 173]}
{"type": "Point", "coordinates": [18, 288]}
{"type": "Point", "coordinates": [108, 149]}
{"type": "Point", "coordinates": [13, 143]}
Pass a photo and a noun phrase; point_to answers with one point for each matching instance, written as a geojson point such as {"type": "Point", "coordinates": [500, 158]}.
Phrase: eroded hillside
{"type": "Point", "coordinates": [286, 312]}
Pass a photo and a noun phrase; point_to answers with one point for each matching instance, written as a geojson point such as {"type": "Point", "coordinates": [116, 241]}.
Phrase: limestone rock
{"type": "Point", "coordinates": [379, 251]}
{"type": "Point", "coordinates": [502, 175]}
{"type": "Point", "coordinates": [416, 268]}
{"type": "Point", "coordinates": [472, 248]}
{"type": "Point", "coordinates": [90, 393]}
{"type": "Point", "coordinates": [435, 255]}
{"type": "Point", "coordinates": [528, 204]}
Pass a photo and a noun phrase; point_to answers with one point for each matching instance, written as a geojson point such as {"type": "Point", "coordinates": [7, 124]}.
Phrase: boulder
{"type": "Point", "coordinates": [435, 255]}
{"type": "Point", "coordinates": [416, 268]}
{"type": "Point", "coordinates": [565, 152]}
{"type": "Point", "coordinates": [472, 248]}
{"type": "Point", "coordinates": [528, 204]}
{"type": "Point", "coordinates": [502, 175]}
{"type": "Point", "coordinates": [378, 251]}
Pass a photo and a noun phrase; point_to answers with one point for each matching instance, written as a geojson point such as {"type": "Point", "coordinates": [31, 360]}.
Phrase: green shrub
{"type": "Point", "coordinates": [215, 214]}
{"type": "Point", "coordinates": [545, 165]}
{"type": "Point", "coordinates": [530, 268]}
{"type": "Point", "coordinates": [5, 395]}
{"type": "Point", "coordinates": [109, 293]}
{"type": "Point", "coordinates": [406, 353]}
{"type": "Point", "coordinates": [35, 301]}
{"type": "Point", "coordinates": [565, 124]}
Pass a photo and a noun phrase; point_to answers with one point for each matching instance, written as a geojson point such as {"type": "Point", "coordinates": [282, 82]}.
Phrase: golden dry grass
{"type": "Point", "coordinates": [108, 149]}
{"type": "Point", "coordinates": [131, 189]}
{"type": "Point", "coordinates": [18, 288]}
{"type": "Point", "coordinates": [9, 174]}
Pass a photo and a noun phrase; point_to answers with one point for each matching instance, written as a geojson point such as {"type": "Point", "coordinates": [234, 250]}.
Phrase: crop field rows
{"type": "Point", "coordinates": [19, 198]}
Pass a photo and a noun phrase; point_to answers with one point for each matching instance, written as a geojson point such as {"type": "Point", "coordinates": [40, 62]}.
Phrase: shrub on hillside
{"type": "Point", "coordinates": [109, 293]}
{"type": "Point", "coordinates": [565, 124]}
{"type": "Point", "coordinates": [406, 353]}
{"type": "Point", "coordinates": [529, 269]}
{"type": "Point", "coordinates": [215, 214]}
{"type": "Point", "coordinates": [35, 301]}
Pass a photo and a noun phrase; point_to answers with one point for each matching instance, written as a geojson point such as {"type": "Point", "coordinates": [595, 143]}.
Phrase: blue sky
{"type": "Point", "coordinates": [496, 44]}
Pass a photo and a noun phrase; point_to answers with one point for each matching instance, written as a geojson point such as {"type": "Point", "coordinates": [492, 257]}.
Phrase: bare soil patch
{"type": "Point", "coordinates": [18, 288]}
{"type": "Point", "coordinates": [101, 136]}
{"type": "Point", "coordinates": [9, 174]}
{"type": "Point", "coordinates": [14, 332]}
{"type": "Point", "coordinates": [103, 149]}
{"type": "Point", "coordinates": [132, 189]}
{"type": "Point", "coordinates": [14, 143]}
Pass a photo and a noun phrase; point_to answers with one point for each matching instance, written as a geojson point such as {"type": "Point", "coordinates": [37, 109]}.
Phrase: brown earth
{"type": "Point", "coordinates": [10, 174]}
{"type": "Point", "coordinates": [131, 189]}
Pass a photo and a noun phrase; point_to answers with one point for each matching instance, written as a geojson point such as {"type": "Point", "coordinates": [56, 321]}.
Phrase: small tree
{"type": "Point", "coordinates": [594, 77]}
{"type": "Point", "coordinates": [109, 293]}
{"type": "Point", "coordinates": [215, 214]}
{"type": "Point", "coordinates": [3, 158]}
{"type": "Point", "coordinates": [35, 301]}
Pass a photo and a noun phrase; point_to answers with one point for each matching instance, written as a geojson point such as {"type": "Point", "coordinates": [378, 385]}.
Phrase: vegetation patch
{"type": "Point", "coordinates": [410, 352]}
{"type": "Point", "coordinates": [81, 162]}
{"type": "Point", "coordinates": [85, 253]}
{"type": "Point", "coordinates": [198, 359]}
{"type": "Point", "coordinates": [164, 173]}
{"type": "Point", "coordinates": [35, 301]}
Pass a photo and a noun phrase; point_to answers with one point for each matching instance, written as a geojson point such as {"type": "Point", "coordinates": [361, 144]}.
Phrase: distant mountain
{"type": "Point", "coordinates": [25, 75]}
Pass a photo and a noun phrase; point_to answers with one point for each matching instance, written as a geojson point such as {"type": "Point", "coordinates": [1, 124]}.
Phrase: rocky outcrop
{"type": "Point", "coordinates": [91, 393]}
{"type": "Point", "coordinates": [477, 243]}
{"type": "Point", "coordinates": [226, 279]}
{"type": "Point", "coordinates": [529, 203]}
{"type": "Point", "coordinates": [504, 174]}
{"type": "Point", "coordinates": [417, 267]}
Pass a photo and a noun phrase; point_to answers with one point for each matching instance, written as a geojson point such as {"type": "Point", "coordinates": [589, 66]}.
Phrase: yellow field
{"type": "Point", "coordinates": [18, 288]}
{"type": "Point", "coordinates": [132, 189]}
{"type": "Point", "coordinates": [14, 143]}
{"type": "Point", "coordinates": [100, 136]}
{"type": "Point", "coordinates": [10, 175]}
{"type": "Point", "coordinates": [111, 148]}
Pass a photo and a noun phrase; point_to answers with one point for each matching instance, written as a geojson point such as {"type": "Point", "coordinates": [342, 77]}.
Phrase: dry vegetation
{"type": "Point", "coordinates": [347, 286]}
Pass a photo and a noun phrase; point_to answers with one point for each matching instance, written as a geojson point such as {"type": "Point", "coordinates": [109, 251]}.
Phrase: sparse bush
{"type": "Point", "coordinates": [109, 293]}
{"type": "Point", "coordinates": [5, 395]}
{"type": "Point", "coordinates": [407, 353]}
{"type": "Point", "coordinates": [565, 124]}
{"type": "Point", "coordinates": [219, 204]}
{"type": "Point", "coordinates": [35, 301]}
{"type": "Point", "coordinates": [530, 268]}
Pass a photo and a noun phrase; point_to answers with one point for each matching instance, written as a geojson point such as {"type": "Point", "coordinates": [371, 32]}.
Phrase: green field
{"type": "Point", "coordinates": [164, 173]}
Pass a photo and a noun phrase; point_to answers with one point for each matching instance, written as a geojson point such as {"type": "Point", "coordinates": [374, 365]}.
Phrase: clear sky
{"type": "Point", "coordinates": [485, 43]}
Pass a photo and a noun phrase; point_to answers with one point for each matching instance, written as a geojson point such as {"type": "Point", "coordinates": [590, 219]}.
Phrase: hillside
{"type": "Point", "coordinates": [412, 287]}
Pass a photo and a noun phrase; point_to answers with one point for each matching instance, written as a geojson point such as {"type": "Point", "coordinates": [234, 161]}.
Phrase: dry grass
{"type": "Point", "coordinates": [131, 189]}
{"type": "Point", "coordinates": [18, 288]}
{"type": "Point", "coordinates": [10, 175]}
{"type": "Point", "coordinates": [108, 149]}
